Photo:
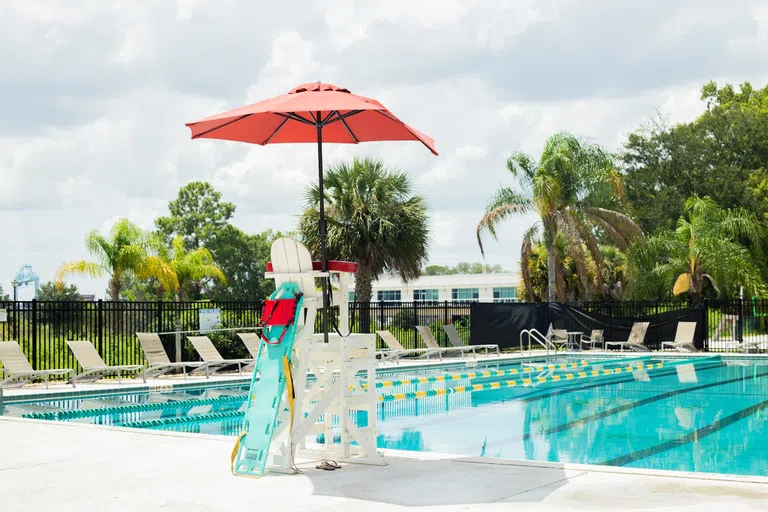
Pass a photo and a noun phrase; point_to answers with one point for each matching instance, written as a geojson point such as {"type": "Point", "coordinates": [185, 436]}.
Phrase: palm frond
{"type": "Point", "coordinates": [575, 250]}
{"type": "Point", "coordinates": [80, 267]}
{"type": "Point", "coordinates": [620, 222]}
{"type": "Point", "coordinates": [506, 202]}
{"type": "Point", "coordinates": [526, 250]}
{"type": "Point", "coordinates": [590, 241]}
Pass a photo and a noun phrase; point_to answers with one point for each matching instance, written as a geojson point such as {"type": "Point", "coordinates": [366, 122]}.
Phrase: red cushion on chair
{"type": "Point", "coordinates": [333, 265]}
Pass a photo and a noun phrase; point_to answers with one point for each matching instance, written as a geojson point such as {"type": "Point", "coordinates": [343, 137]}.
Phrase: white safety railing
{"type": "Point", "coordinates": [539, 338]}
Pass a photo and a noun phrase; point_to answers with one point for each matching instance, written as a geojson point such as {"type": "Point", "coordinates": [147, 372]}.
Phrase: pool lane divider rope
{"type": "Point", "coordinates": [415, 395]}
{"type": "Point", "coordinates": [126, 409]}
{"type": "Point", "coordinates": [500, 373]}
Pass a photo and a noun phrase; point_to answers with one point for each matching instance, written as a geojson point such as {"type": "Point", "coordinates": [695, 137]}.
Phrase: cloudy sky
{"type": "Point", "coordinates": [94, 96]}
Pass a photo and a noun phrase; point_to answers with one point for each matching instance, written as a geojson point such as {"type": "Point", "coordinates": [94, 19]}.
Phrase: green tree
{"type": "Point", "coordinates": [704, 248]}
{"type": "Point", "coordinates": [197, 214]}
{"type": "Point", "coordinates": [3, 296]}
{"type": "Point", "coordinates": [190, 269]}
{"type": "Point", "coordinates": [374, 219]}
{"type": "Point", "coordinates": [243, 259]}
{"type": "Point", "coordinates": [576, 192]}
{"type": "Point", "coordinates": [721, 154]}
{"type": "Point", "coordinates": [122, 254]}
{"type": "Point", "coordinates": [49, 291]}
{"type": "Point", "coordinates": [462, 268]}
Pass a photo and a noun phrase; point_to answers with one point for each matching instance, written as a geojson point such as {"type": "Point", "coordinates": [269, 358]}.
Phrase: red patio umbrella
{"type": "Point", "coordinates": [313, 112]}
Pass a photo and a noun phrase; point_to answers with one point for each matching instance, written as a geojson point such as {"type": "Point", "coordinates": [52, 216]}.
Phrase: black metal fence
{"type": "Point", "coordinates": [725, 321]}
{"type": "Point", "coordinates": [42, 327]}
{"type": "Point", "coordinates": [401, 318]}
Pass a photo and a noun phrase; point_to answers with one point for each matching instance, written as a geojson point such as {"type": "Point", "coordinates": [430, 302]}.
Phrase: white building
{"type": "Point", "coordinates": [451, 288]}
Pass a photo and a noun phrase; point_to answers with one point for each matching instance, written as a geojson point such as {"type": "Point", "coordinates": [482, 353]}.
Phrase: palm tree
{"type": "Point", "coordinates": [373, 219]}
{"type": "Point", "coordinates": [190, 269]}
{"type": "Point", "coordinates": [706, 246]}
{"type": "Point", "coordinates": [576, 192]}
{"type": "Point", "coordinates": [124, 253]}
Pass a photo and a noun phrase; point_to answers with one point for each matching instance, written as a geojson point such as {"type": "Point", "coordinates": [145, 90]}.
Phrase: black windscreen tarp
{"type": "Point", "coordinates": [502, 323]}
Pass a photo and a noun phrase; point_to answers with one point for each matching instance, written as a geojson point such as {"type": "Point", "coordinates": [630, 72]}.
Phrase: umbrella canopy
{"type": "Point", "coordinates": [299, 116]}
{"type": "Point", "coordinates": [313, 112]}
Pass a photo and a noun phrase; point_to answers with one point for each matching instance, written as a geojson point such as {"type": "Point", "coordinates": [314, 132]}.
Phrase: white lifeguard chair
{"type": "Point", "coordinates": [329, 379]}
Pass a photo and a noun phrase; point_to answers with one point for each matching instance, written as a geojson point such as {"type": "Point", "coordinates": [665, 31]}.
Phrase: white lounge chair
{"type": "Point", "coordinates": [396, 349]}
{"type": "Point", "coordinates": [595, 338]}
{"type": "Point", "coordinates": [18, 371]}
{"type": "Point", "coordinates": [429, 340]}
{"type": "Point", "coordinates": [557, 337]}
{"type": "Point", "coordinates": [683, 338]}
{"type": "Point", "coordinates": [160, 363]}
{"type": "Point", "coordinates": [635, 339]}
{"type": "Point", "coordinates": [456, 341]}
{"type": "Point", "coordinates": [209, 354]}
{"type": "Point", "coordinates": [94, 366]}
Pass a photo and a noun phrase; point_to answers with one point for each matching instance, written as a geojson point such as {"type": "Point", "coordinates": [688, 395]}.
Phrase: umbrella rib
{"type": "Point", "coordinates": [344, 116]}
{"type": "Point", "coordinates": [330, 115]}
{"type": "Point", "coordinates": [276, 130]}
{"type": "Point", "coordinates": [295, 117]}
{"type": "Point", "coordinates": [350, 131]}
{"type": "Point", "coordinates": [206, 132]}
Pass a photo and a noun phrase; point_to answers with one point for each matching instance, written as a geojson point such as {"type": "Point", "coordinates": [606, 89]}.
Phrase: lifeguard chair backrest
{"type": "Point", "coordinates": [291, 257]}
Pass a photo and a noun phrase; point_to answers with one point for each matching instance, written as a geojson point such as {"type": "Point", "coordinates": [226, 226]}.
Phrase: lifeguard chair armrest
{"type": "Point", "coordinates": [333, 266]}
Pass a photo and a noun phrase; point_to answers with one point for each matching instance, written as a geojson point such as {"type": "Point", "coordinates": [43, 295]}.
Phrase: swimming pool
{"type": "Point", "coordinates": [702, 414]}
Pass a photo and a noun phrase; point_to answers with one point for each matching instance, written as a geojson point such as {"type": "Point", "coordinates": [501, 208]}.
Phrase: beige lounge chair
{"type": "Point", "coordinates": [456, 341]}
{"type": "Point", "coordinates": [252, 342]}
{"type": "Point", "coordinates": [429, 340]}
{"type": "Point", "coordinates": [209, 354]}
{"type": "Point", "coordinates": [595, 338]}
{"type": "Point", "coordinates": [94, 366]}
{"type": "Point", "coordinates": [160, 363]}
{"type": "Point", "coordinates": [18, 371]}
{"type": "Point", "coordinates": [683, 338]}
{"type": "Point", "coordinates": [635, 339]}
{"type": "Point", "coordinates": [396, 350]}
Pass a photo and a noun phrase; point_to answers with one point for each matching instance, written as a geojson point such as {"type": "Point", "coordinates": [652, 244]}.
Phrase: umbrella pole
{"type": "Point", "coordinates": [323, 232]}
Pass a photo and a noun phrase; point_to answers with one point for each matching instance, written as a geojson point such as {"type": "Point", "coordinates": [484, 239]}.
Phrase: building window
{"type": "Point", "coordinates": [465, 294]}
{"type": "Point", "coordinates": [505, 294]}
{"type": "Point", "coordinates": [351, 297]}
{"type": "Point", "coordinates": [388, 295]}
{"type": "Point", "coordinates": [426, 295]}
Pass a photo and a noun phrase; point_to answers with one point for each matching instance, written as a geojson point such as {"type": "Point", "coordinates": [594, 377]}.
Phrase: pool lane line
{"type": "Point", "coordinates": [198, 418]}
{"type": "Point", "coordinates": [525, 382]}
{"type": "Point", "coordinates": [126, 409]}
{"type": "Point", "coordinates": [500, 373]}
{"type": "Point", "coordinates": [644, 401]}
{"type": "Point", "coordinates": [696, 435]}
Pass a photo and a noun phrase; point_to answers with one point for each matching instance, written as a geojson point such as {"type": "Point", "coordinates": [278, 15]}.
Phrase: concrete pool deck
{"type": "Point", "coordinates": [79, 467]}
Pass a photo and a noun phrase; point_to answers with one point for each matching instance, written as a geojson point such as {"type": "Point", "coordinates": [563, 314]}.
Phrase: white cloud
{"type": "Point", "coordinates": [96, 95]}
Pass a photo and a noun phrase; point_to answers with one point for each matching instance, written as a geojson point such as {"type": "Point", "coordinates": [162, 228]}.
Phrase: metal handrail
{"type": "Point", "coordinates": [538, 338]}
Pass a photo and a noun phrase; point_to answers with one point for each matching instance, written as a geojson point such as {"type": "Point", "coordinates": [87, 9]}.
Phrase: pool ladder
{"type": "Point", "coordinates": [539, 338]}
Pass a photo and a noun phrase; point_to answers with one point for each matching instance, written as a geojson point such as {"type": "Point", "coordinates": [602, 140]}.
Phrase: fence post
{"type": "Point", "coordinates": [159, 315]}
{"type": "Point", "coordinates": [740, 324]}
{"type": "Point", "coordinates": [415, 322]}
{"type": "Point", "coordinates": [100, 326]}
{"type": "Point", "coordinates": [35, 363]}
{"type": "Point", "coordinates": [705, 342]}
{"type": "Point", "coordinates": [445, 315]}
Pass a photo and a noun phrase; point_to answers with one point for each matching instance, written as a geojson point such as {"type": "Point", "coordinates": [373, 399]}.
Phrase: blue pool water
{"type": "Point", "coordinates": [703, 415]}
